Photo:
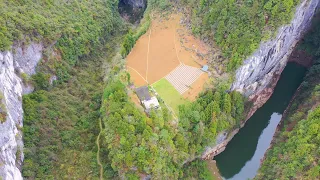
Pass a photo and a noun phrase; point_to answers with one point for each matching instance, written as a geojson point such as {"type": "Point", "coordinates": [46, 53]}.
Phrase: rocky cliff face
{"type": "Point", "coordinates": [258, 75]}
{"type": "Point", "coordinates": [136, 3]}
{"type": "Point", "coordinates": [12, 65]}
{"type": "Point", "coordinates": [260, 71]}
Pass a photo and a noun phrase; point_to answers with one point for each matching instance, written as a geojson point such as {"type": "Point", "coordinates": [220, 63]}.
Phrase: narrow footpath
{"type": "Point", "coordinates": [98, 152]}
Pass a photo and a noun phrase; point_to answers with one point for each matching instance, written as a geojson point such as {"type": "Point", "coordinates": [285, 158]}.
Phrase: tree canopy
{"type": "Point", "coordinates": [238, 27]}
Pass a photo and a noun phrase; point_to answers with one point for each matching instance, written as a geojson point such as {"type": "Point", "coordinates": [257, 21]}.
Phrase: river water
{"type": "Point", "coordinates": [241, 159]}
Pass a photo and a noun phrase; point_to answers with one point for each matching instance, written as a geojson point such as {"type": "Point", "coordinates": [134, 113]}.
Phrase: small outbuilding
{"type": "Point", "coordinates": [146, 100]}
{"type": "Point", "coordinates": [205, 68]}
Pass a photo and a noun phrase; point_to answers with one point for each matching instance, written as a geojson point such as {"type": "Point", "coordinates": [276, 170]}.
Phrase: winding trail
{"type": "Point", "coordinates": [98, 152]}
{"type": "Point", "coordinates": [138, 73]}
{"type": "Point", "coordinates": [175, 45]}
{"type": "Point", "coordinates": [148, 56]}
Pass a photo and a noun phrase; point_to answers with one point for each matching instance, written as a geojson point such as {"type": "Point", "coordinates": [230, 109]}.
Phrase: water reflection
{"type": "Point", "coordinates": [241, 159]}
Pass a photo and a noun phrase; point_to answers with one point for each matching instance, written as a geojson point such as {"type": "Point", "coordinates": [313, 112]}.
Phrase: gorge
{"type": "Point", "coordinates": [243, 154]}
{"type": "Point", "coordinates": [259, 74]}
{"type": "Point", "coordinates": [256, 79]}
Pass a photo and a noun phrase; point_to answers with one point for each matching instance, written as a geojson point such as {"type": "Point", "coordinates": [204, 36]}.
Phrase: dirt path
{"type": "Point", "coordinates": [98, 152]}
{"type": "Point", "coordinates": [138, 73]}
{"type": "Point", "coordinates": [175, 45]}
{"type": "Point", "coordinates": [166, 45]}
{"type": "Point", "coordinates": [148, 55]}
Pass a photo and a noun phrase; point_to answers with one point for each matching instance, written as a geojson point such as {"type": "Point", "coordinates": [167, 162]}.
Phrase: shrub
{"type": "Point", "coordinates": [41, 81]}
{"type": "Point", "coordinates": [3, 111]}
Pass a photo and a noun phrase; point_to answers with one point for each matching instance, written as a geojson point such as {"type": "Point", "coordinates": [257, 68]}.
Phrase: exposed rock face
{"type": "Point", "coordinates": [24, 60]}
{"type": "Point", "coordinates": [136, 3]}
{"type": "Point", "coordinates": [259, 74]}
{"type": "Point", "coordinates": [272, 56]}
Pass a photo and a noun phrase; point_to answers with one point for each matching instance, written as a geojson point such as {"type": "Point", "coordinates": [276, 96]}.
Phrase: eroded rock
{"type": "Point", "coordinates": [258, 75]}
{"type": "Point", "coordinates": [24, 60]}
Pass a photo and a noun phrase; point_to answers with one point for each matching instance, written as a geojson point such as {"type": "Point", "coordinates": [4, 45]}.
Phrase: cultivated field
{"type": "Point", "coordinates": [169, 94]}
{"type": "Point", "coordinates": [167, 57]}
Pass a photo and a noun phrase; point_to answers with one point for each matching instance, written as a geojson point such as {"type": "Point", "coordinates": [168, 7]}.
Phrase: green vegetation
{"type": "Point", "coordinates": [3, 111]}
{"type": "Point", "coordinates": [61, 121]}
{"type": "Point", "coordinates": [238, 27]}
{"type": "Point", "coordinates": [76, 26]}
{"type": "Point", "coordinates": [197, 170]}
{"type": "Point", "coordinates": [41, 81]}
{"type": "Point", "coordinates": [159, 145]}
{"type": "Point", "coordinates": [132, 37]}
{"type": "Point", "coordinates": [74, 29]}
{"type": "Point", "coordinates": [61, 125]}
{"type": "Point", "coordinates": [169, 94]}
{"type": "Point", "coordinates": [210, 114]}
{"type": "Point", "coordinates": [133, 140]}
{"type": "Point", "coordinates": [295, 152]}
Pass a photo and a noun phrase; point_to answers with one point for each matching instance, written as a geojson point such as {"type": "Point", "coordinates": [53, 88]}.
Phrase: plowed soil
{"type": "Point", "coordinates": [166, 45]}
{"type": "Point", "coordinates": [196, 87]}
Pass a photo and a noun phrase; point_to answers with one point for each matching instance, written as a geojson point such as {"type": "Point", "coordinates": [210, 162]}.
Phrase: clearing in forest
{"type": "Point", "coordinates": [168, 52]}
{"type": "Point", "coordinates": [169, 94]}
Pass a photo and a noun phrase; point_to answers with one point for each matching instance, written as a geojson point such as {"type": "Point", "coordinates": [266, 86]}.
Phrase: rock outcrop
{"type": "Point", "coordinates": [136, 3]}
{"type": "Point", "coordinates": [259, 74]}
{"type": "Point", "coordinates": [12, 65]}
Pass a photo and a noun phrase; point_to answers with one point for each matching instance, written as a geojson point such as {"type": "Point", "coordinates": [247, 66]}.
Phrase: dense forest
{"type": "Point", "coordinates": [159, 145]}
{"type": "Point", "coordinates": [295, 152]}
{"type": "Point", "coordinates": [61, 119]}
{"type": "Point", "coordinates": [238, 27]}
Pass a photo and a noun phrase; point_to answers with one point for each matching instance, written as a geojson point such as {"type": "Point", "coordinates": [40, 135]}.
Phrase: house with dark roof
{"type": "Point", "coordinates": [143, 93]}
{"type": "Point", "coordinates": [146, 100]}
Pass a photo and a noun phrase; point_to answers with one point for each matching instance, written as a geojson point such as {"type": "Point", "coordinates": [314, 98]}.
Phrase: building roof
{"type": "Point", "coordinates": [153, 102]}
{"type": "Point", "coordinates": [143, 93]}
{"type": "Point", "coordinates": [205, 68]}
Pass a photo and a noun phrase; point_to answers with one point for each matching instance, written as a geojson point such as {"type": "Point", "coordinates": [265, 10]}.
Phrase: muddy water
{"type": "Point", "coordinates": [241, 159]}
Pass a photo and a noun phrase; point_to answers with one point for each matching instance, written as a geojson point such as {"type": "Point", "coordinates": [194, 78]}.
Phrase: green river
{"type": "Point", "coordinates": [241, 159]}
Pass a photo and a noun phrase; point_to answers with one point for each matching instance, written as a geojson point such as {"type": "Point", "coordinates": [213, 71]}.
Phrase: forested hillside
{"type": "Point", "coordinates": [159, 145]}
{"type": "Point", "coordinates": [238, 27]}
{"type": "Point", "coordinates": [77, 26]}
{"type": "Point", "coordinates": [295, 153]}
{"type": "Point", "coordinates": [61, 119]}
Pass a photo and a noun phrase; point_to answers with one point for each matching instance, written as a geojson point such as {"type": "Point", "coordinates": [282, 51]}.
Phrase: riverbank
{"type": "Point", "coordinates": [299, 117]}
{"type": "Point", "coordinates": [242, 156]}
{"type": "Point", "coordinates": [212, 167]}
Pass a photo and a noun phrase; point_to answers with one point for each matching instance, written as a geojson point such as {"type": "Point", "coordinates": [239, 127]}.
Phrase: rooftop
{"type": "Point", "coordinates": [143, 93]}
{"type": "Point", "coordinates": [205, 68]}
{"type": "Point", "coordinates": [153, 102]}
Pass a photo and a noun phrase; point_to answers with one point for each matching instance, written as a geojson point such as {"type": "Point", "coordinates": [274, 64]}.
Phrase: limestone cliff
{"type": "Point", "coordinates": [12, 65]}
{"type": "Point", "coordinates": [258, 75]}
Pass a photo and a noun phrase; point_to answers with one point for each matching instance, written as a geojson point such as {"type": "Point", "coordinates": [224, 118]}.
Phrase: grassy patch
{"type": "Point", "coordinates": [169, 94]}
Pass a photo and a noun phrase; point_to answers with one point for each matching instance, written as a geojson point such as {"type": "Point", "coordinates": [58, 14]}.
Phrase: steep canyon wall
{"type": "Point", "coordinates": [258, 75]}
{"type": "Point", "coordinates": [12, 65]}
